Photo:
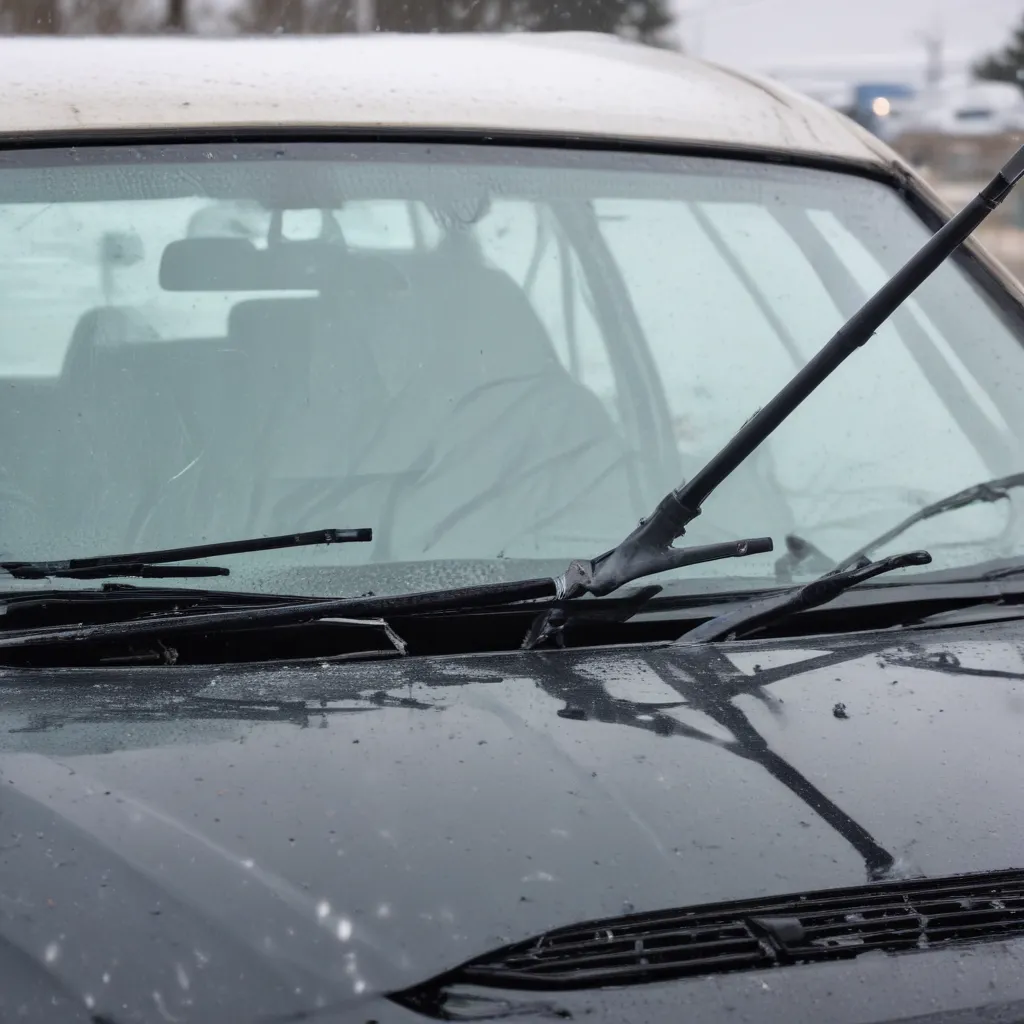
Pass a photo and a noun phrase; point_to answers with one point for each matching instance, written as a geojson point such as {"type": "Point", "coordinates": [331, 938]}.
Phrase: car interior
{"type": "Point", "coordinates": [216, 421]}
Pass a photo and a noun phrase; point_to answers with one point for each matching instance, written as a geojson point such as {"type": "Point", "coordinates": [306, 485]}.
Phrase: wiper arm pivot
{"type": "Point", "coordinates": [647, 552]}
{"type": "Point", "coordinates": [152, 564]}
{"type": "Point", "coordinates": [769, 610]}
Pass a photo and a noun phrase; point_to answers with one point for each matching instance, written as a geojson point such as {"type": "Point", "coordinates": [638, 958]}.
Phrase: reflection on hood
{"type": "Point", "coordinates": [329, 833]}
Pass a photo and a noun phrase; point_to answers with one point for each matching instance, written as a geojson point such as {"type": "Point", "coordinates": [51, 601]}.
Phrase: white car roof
{"type": "Point", "coordinates": [566, 83]}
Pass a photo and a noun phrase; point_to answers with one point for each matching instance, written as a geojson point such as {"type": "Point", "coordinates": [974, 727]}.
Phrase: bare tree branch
{"type": "Point", "coordinates": [177, 16]}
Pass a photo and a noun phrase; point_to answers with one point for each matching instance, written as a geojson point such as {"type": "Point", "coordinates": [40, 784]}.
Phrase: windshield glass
{"type": "Point", "coordinates": [491, 356]}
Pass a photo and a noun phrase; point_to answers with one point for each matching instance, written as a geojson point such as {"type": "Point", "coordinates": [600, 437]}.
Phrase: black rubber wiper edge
{"type": "Point", "coordinates": [109, 570]}
{"type": "Point", "coordinates": [143, 563]}
{"type": "Point", "coordinates": [127, 593]}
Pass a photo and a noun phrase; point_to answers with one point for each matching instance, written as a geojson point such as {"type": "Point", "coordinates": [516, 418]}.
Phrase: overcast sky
{"type": "Point", "coordinates": [766, 34]}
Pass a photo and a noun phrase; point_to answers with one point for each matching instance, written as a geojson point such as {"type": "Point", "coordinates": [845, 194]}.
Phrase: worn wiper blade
{"type": "Point", "coordinates": [990, 490]}
{"type": "Point", "coordinates": [153, 563]}
{"type": "Point", "coordinates": [771, 610]}
{"type": "Point", "coordinates": [648, 549]}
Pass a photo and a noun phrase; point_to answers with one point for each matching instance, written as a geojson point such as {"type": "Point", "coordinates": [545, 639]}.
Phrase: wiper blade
{"type": "Point", "coordinates": [151, 564]}
{"type": "Point", "coordinates": [770, 610]}
{"type": "Point", "coordinates": [987, 491]}
{"type": "Point", "coordinates": [307, 610]}
{"type": "Point", "coordinates": [648, 549]}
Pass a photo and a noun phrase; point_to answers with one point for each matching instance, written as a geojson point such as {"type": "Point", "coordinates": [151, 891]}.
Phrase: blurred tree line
{"type": "Point", "coordinates": [646, 20]}
{"type": "Point", "coordinates": [1007, 64]}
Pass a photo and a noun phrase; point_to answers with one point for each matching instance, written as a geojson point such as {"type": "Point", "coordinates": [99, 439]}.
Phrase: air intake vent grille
{"type": "Point", "coordinates": [829, 925]}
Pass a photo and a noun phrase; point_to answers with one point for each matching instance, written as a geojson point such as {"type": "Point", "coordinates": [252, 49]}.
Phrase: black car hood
{"type": "Point", "coordinates": [314, 835]}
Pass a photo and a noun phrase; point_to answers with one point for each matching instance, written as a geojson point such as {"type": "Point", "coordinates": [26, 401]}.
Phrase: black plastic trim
{"type": "Point", "coordinates": [799, 928]}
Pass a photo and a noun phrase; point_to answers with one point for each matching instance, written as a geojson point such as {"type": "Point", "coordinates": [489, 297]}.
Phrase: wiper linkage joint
{"type": "Point", "coordinates": [648, 550]}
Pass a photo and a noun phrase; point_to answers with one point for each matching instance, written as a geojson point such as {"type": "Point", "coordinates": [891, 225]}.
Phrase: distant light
{"type": "Point", "coordinates": [880, 106]}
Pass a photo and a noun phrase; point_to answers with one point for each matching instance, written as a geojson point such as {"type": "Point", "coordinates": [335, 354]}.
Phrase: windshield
{"type": "Point", "coordinates": [489, 355]}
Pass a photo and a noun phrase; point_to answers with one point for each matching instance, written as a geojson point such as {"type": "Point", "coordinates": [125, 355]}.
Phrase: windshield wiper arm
{"type": "Point", "coordinates": [766, 611]}
{"type": "Point", "coordinates": [152, 563]}
{"type": "Point", "coordinates": [990, 490]}
{"type": "Point", "coordinates": [648, 549]}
